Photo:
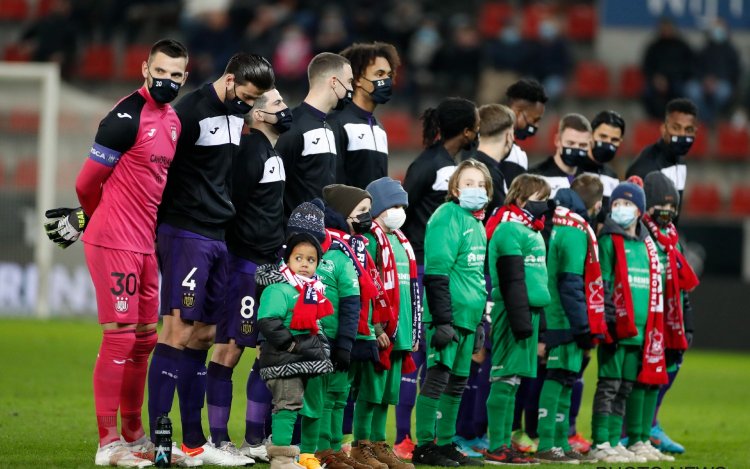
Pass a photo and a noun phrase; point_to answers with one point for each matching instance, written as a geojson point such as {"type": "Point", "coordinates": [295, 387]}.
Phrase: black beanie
{"type": "Point", "coordinates": [298, 238]}
{"type": "Point", "coordinates": [343, 198]}
{"type": "Point", "coordinates": [660, 190]}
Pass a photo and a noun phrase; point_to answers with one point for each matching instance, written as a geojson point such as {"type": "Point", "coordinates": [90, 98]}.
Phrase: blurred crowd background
{"type": "Point", "coordinates": [631, 56]}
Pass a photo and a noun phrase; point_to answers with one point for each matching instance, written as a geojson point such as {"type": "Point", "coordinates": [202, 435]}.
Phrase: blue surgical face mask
{"type": "Point", "coordinates": [623, 215]}
{"type": "Point", "coordinates": [473, 198]}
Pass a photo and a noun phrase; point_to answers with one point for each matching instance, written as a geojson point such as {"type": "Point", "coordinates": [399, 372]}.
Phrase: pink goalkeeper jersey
{"type": "Point", "coordinates": [121, 184]}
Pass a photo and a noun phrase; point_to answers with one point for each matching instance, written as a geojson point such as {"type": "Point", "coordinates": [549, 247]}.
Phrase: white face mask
{"type": "Point", "coordinates": [394, 218]}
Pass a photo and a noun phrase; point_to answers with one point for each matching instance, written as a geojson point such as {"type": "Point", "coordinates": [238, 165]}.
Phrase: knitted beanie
{"type": "Point", "coordinates": [307, 218]}
{"type": "Point", "coordinates": [386, 193]}
{"type": "Point", "coordinates": [343, 198]}
{"type": "Point", "coordinates": [660, 190]}
{"type": "Point", "coordinates": [631, 192]}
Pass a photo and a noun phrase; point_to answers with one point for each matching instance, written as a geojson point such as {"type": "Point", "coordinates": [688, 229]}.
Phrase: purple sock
{"type": "Point", "coordinates": [531, 412]}
{"type": "Point", "coordinates": [219, 400]}
{"type": "Point", "coordinates": [576, 397]}
{"type": "Point", "coordinates": [465, 422]}
{"type": "Point", "coordinates": [191, 388]}
{"type": "Point", "coordinates": [407, 397]}
{"type": "Point", "coordinates": [258, 407]}
{"type": "Point", "coordinates": [348, 416]}
{"type": "Point", "coordinates": [162, 379]}
{"type": "Point", "coordinates": [662, 391]}
{"type": "Point", "coordinates": [480, 404]}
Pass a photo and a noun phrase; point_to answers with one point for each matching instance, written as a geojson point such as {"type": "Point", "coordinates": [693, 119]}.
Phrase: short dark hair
{"type": "Point", "coordinates": [449, 119]}
{"type": "Point", "coordinates": [170, 48]}
{"type": "Point", "coordinates": [324, 64]}
{"type": "Point", "coordinates": [251, 68]}
{"type": "Point", "coordinates": [574, 121]}
{"type": "Point", "coordinates": [261, 101]}
{"type": "Point", "coordinates": [589, 188]}
{"type": "Point", "coordinates": [682, 105]}
{"type": "Point", "coordinates": [610, 118]}
{"type": "Point", "coordinates": [361, 55]}
{"type": "Point", "coordinates": [527, 89]}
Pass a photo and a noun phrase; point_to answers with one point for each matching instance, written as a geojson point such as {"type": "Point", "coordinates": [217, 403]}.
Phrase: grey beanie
{"type": "Point", "coordinates": [386, 193]}
{"type": "Point", "coordinates": [660, 190]}
{"type": "Point", "coordinates": [307, 218]}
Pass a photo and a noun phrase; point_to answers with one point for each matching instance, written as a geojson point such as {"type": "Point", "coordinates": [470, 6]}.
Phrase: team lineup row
{"type": "Point", "coordinates": [288, 238]}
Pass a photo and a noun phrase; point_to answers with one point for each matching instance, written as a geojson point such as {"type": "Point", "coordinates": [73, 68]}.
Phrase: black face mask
{"type": "Point", "coordinates": [346, 99]}
{"type": "Point", "coordinates": [523, 134]}
{"type": "Point", "coordinates": [383, 90]}
{"type": "Point", "coordinates": [664, 217]}
{"type": "Point", "coordinates": [236, 105]}
{"type": "Point", "coordinates": [679, 145]}
{"type": "Point", "coordinates": [362, 223]}
{"type": "Point", "coordinates": [573, 156]}
{"type": "Point", "coordinates": [163, 90]}
{"type": "Point", "coordinates": [603, 152]}
{"type": "Point", "coordinates": [536, 208]}
{"type": "Point", "coordinates": [283, 120]}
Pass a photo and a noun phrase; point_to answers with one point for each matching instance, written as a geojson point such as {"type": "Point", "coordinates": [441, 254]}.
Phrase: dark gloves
{"type": "Point", "coordinates": [65, 225]}
{"type": "Point", "coordinates": [444, 334]}
{"type": "Point", "coordinates": [479, 338]}
{"type": "Point", "coordinates": [341, 359]}
{"type": "Point", "coordinates": [584, 341]}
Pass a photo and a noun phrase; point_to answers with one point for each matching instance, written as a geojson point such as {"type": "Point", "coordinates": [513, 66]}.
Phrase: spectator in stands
{"type": "Point", "coordinates": [717, 73]}
{"type": "Point", "coordinates": [667, 65]}
{"type": "Point", "coordinates": [207, 36]}
{"type": "Point", "coordinates": [52, 38]}
{"type": "Point", "coordinates": [551, 61]}
{"type": "Point", "coordinates": [423, 47]}
{"type": "Point", "coordinates": [292, 55]}
{"type": "Point", "coordinates": [332, 31]}
{"type": "Point", "coordinates": [505, 60]}
{"type": "Point", "coordinates": [458, 61]}
{"type": "Point", "coordinates": [668, 154]}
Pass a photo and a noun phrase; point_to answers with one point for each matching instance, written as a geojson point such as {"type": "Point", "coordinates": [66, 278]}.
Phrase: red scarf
{"type": "Point", "coordinates": [370, 285]}
{"type": "Point", "coordinates": [592, 272]}
{"type": "Point", "coordinates": [311, 304]}
{"type": "Point", "coordinates": [513, 213]}
{"type": "Point", "coordinates": [654, 368]}
{"type": "Point", "coordinates": [386, 260]}
{"type": "Point", "coordinates": [680, 277]}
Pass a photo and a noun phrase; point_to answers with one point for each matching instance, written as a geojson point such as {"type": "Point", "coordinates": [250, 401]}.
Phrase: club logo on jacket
{"type": "Point", "coordinates": [273, 170]}
{"type": "Point", "coordinates": [188, 300]}
{"type": "Point", "coordinates": [121, 304]}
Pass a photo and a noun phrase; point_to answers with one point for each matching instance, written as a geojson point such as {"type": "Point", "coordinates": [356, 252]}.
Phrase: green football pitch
{"type": "Point", "coordinates": [47, 409]}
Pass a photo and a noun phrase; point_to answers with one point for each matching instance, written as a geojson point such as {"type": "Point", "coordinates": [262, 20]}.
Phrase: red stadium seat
{"type": "Point", "coordinates": [131, 66]}
{"type": "Point", "coordinates": [25, 175]}
{"type": "Point", "coordinates": [631, 82]}
{"type": "Point", "coordinates": [23, 121]}
{"type": "Point", "coordinates": [532, 16]}
{"type": "Point", "coordinates": [591, 80]}
{"type": "Point", "coordinates": [400, 129]}
{"type": "Point", "coordinates": [702, 199]}
{"type": "Point", "coordinates": [13, 10]}
{"type": "Point", "coordinates": [581, 23]}
{"type": "Point", "coordinates": [740, 203]}
{"type": "Point", "coordinates": [699, 150]}
{"type": "Point", "coordinates": [644, 134]}
{"type": "Point", "coordinates": [492, 18]}
{"type": "Point", "coordinates": [15, 53]}
{"type": "Point", "coordinates": [734, 143]}
{"type": "Point", "coordinates": [98, 63]}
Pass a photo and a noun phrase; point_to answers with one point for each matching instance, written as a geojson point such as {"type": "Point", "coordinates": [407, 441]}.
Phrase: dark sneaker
{"type": "Point", "coordinates": [507, 456]}
{"type": "Point", "coordinates": [430, 455]}
{"type": "Point", "coordinates": [554, 455]}
{"type": "Point", "coordinates": [580, 457]}
{"type": "Point", "coordinates": [451, 451]}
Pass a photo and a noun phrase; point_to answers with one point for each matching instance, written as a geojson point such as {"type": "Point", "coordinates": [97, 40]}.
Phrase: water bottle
{"type": "Point", "coordinates": [163, 443]}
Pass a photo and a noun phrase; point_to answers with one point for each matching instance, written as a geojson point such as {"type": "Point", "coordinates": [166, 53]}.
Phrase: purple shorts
{"type": "Point", "coordinates": [238, 321]}
{"type": "Point", "coordinates": [193, 274]}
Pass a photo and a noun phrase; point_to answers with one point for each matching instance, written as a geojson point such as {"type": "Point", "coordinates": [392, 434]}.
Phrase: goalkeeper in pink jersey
{"type": "Point", "coordinates": [120, 187]}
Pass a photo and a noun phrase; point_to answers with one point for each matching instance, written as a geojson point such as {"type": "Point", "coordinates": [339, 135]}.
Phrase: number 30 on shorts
{"type": "Point", "coordinates": [124, 283]}
{"type": "Point", "coordinates": [247, 307]}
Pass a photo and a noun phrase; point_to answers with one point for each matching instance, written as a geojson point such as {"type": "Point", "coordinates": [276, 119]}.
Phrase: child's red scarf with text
{"type": "Point", "coordinates": [513, 213]}
{"type": "Point", "coordinates": [385, 259]}
{"type": "Point", "coordinates": [680, 277]}
{"type": "Point", "coordinates": [592, 272]}
{"type": "Point", "coordinates": [370, 285]}
{"type": "Point", "coordinates": [311, 304]}
{"type": "Point", "coordinates": [654, 367]}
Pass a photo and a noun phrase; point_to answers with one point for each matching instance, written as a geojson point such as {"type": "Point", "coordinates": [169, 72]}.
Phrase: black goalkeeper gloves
{"type": "Point", "coordinates": [65, 225]}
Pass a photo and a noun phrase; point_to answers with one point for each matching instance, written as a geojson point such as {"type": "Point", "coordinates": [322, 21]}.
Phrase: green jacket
{"type": "Point", "coordinates": [338, 275]}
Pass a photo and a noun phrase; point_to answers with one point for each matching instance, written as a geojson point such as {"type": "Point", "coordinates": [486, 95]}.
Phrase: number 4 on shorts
{"type": "Point", "coordinates": [189, 280]}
